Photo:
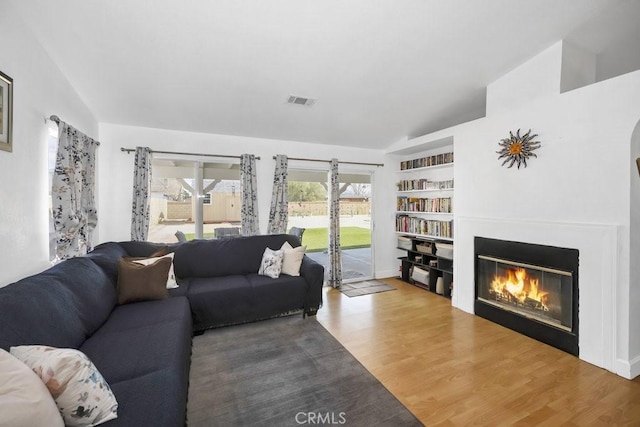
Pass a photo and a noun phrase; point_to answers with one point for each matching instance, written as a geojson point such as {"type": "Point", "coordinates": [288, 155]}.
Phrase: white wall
{"type": "Point", "coordinates": [634, 275]}
{"type": "Point", "coordinates": [40, 90]}
{"type": "Point", "coordinates": [575, 194]}
{"type": "Point", "coordinates": [116, 176]}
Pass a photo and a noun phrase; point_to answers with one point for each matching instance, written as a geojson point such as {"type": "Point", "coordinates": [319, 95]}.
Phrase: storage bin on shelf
{"type": "Point", "coordinates": [444, 250]}
{"type": "Point", "coordinates": [404, 243]}
{"type": "Point", "coordinates": [424, 248]}
{"type": "Point", "coordinates": [420, 275]}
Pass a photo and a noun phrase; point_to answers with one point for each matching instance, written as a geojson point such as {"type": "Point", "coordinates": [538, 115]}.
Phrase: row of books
{"type": "Point", "coordinates": [424, 184]}
{"type": "Point", "coordinates": [438, 159]}
{"type": "Point", "coordinates": [417, 204]}
{"type": "Point", "coordinates": [415, 225]}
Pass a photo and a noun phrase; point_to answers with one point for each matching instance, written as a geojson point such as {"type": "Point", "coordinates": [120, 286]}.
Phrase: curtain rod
{"type": "Point", "coordinates": [57, 121]}
{"type": "Point", "coordinates": [129, 150]}
{"type": "Point", "coordinates": [339, 161]}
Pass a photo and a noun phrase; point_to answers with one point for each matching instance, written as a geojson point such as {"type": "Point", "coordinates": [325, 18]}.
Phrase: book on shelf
{"type": "Point", "coordinates": [425, 205]}
{"type": "Point", "coordinates": [437, 159]}
{"type": "Point", "coordinates": [424, 184]}
{"type": "Point", "coordinates": [416, 225]}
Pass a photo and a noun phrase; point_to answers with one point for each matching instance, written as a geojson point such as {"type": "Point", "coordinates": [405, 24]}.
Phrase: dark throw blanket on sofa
{"type": "Point", "coordinates": [142, 349]}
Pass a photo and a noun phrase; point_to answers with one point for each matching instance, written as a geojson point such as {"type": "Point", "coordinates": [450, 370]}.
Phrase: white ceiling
{"type": "Point", "coordinates": [379, 69]}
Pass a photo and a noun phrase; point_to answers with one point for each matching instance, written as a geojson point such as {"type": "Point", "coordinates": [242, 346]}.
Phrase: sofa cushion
{"type": "Point", "coordinates": [217, 301]}
{"type": "Point", "coordinates": [139, 282]}
{"type": "Point", "coordinates": [59, 307]}
{"type": "Point", "coordinates": [24, 399]}
{"type": "Point", "coordinates": [226, 257]}
{"type": "Point", "coordinates": [146, 313]}
{"type": "Point", "coordinates": [106, 256]}
{"type": "Point", "coordinates": [149, 336]}
{"type": "Point", "coordinates": [181, 290]}
{"type": "Point", "coordinates": [80, 392]}
{"type": "Point", "coordinates": [271, 297]}
{"type": "Point", "coordinates": [149, 371]}
{"type": "Point", "coordinates": [146, 249]}
{"type": "Point", "coordinates": [155, 399]}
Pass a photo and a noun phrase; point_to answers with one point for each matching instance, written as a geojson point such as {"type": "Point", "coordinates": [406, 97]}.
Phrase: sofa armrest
{"type": "Point", "coordinates": [313, 273]}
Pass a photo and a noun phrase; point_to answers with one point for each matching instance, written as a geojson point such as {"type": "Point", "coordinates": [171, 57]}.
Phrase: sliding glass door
{"type": "Point", "coordinates": [308, 209]}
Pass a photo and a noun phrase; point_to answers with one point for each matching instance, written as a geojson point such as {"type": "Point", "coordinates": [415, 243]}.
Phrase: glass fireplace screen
{"type": "Point", "coordinates": [535, 292]}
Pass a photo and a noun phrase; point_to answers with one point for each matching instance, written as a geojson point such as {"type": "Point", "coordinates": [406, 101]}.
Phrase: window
{"type": "Point", "coordinates": [176, 206]}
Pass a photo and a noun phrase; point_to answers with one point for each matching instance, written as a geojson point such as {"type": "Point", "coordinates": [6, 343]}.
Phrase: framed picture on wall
{"type": "Point", "coordinates": [6, 112]}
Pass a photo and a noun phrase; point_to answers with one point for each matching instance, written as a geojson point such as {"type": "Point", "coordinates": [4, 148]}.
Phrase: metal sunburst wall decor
{"type": "Point", "coordinates": [517, 149]}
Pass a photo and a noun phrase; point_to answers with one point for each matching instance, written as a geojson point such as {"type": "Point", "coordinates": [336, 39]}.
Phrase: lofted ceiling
{"type": "Point", "coordinates": [378, 70]}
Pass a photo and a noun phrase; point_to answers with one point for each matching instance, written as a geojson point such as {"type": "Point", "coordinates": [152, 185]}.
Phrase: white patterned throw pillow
{"type": "Point", "coordinates": [79, 390]}
{"type": "Point", "coordinates": [271, 263]}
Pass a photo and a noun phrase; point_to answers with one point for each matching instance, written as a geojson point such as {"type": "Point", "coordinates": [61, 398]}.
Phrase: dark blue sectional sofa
{"type": "Point", "coordinates": [143, 349]}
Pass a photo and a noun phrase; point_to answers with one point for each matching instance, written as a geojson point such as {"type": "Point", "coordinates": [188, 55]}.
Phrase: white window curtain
{"type": "Point", "coordinates": [140, 206]}
{"type": "Point", "coordinates": [279, 211]}
{"type": "Point", "coordinates": [335, 257]}
{"type": "Point", "coordinates": [73, 192]}
{"type": "Point", "coordinates": [249, 195]}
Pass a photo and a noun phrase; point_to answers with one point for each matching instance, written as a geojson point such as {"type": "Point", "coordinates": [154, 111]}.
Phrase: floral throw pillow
{"type": "Point", "coordinates": [271, 263]}
{"type": "Point", "coordinates": [79, 390]}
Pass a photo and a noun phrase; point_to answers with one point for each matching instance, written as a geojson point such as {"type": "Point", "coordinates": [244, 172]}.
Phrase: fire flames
{"type": "Point", "coordinates": [517, 287]}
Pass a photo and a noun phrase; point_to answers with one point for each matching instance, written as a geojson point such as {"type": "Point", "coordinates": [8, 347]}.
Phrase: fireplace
{"type": "Point", "coordinates": [532, 289]}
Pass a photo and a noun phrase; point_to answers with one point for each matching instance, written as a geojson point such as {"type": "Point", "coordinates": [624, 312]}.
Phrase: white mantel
{"type": "Point", "coordinates": [598, 261]}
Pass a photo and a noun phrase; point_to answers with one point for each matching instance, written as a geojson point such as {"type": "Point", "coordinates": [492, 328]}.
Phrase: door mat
{"type": "Point", "coordinates": [365, 288]}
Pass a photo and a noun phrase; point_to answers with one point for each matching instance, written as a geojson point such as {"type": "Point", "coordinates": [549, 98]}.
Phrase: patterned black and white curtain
{"type": "Point", "coordinates": [335, 258]}
{"type": "Point", "coordinates": [249, 195]}
{"type": "Point", "coordinates": [73, 192]}
{"type": "Point", "coordinates": [279, 211]}
{"type": "Point", "coordinates": [140, 206]}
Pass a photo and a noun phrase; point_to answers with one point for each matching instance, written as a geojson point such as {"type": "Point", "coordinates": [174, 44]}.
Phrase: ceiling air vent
{"type": "Point", "coordinates": [299, 100]}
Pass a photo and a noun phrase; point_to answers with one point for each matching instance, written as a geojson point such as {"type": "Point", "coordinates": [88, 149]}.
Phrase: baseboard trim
{"type": "Point", "coordinates": [384, 274]}
{"type": "Point", "coordinates": [628, 369]}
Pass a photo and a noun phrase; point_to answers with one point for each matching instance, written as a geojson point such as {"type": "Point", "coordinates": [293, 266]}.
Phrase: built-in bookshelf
{"type": "Point", "coordinates": [425, 215]}
{"type": "Point", "coordinates": [424, 201]}
{"type": "Point", "coordinates": [427, 263]}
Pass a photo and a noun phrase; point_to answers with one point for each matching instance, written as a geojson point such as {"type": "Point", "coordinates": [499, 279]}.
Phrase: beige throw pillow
{"type": "Point", "coordinates": [79, 390]}
{"type": "Point", "coordinates": [24, 399]}
{"type": "Point", "coordinates": [292, 259]}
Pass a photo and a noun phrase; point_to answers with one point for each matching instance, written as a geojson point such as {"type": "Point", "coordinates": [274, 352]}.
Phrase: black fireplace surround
{"type": "Point", "coordinates": [564, 335]}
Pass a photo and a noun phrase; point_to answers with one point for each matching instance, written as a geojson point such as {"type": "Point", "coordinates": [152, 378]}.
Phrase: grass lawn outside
{"type": "Point", "coordinates": [316, 239]}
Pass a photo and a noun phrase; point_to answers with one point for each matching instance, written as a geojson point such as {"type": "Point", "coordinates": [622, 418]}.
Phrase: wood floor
{"type": "Point", "coordinates": [451, 368]}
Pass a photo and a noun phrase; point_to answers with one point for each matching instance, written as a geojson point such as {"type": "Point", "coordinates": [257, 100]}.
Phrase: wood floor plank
{"type": "Point", "coordinates": [450, 368]}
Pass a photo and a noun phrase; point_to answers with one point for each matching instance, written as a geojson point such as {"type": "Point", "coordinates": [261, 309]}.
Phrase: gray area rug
{"type": "Point", "coordinates": [287, 371]}
{"type": "Point", "coordinates": [365, 288]}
